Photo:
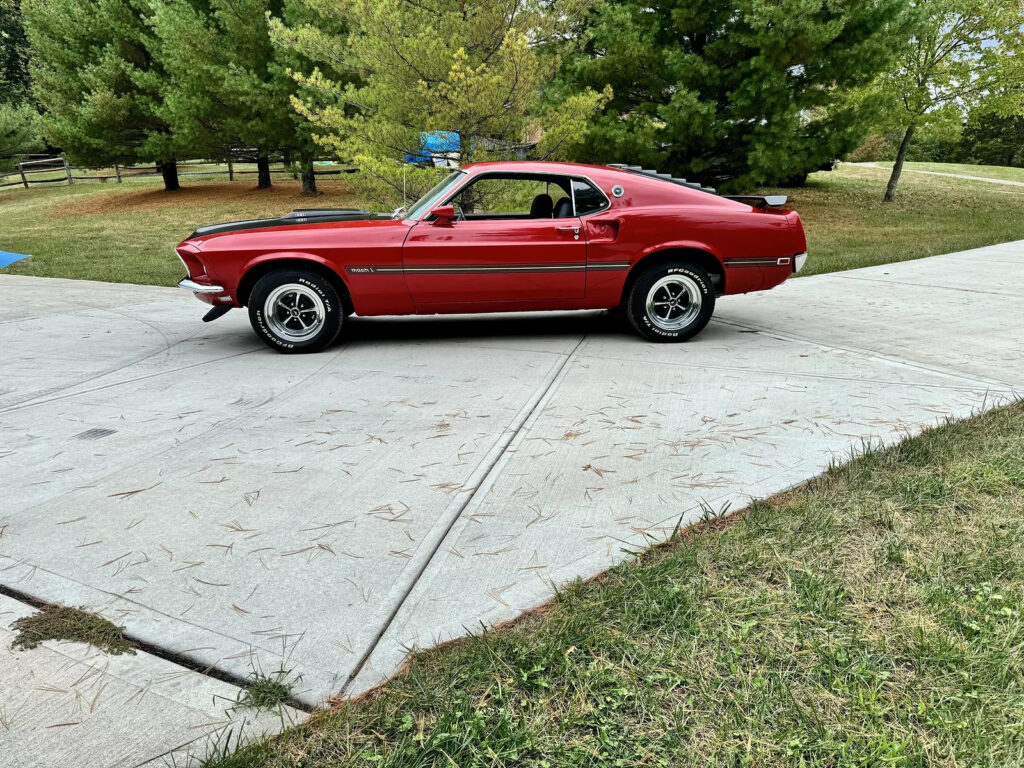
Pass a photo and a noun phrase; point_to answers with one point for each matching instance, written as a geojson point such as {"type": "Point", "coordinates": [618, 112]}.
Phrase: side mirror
{"type": "Point", "coordinates": [443, 214]}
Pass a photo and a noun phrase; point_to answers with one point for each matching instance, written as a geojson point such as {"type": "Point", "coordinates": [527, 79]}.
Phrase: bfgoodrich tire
{"type": "Point", "coordinates": [294, 310]}
{"type": "Point", "coordinates": [671, 302]}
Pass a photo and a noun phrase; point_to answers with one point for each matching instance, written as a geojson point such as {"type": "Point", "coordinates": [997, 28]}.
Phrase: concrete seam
{"type": "Point", "coordinates": [495, 456]}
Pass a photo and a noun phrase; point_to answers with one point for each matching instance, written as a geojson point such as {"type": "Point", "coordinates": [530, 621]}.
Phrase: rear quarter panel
{"type": "Point", "coordinates": [733, 234]}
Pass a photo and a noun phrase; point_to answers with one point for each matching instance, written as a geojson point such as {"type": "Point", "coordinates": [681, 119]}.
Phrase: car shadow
{"type": "Point", "coordinates": [446, 327]}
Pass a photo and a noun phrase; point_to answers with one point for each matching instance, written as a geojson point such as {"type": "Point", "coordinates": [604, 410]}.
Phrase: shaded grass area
{"type": "Point", "coordinates": [58, 622]}
{"type": "Point", "coordinates": [871, 617]}
{"type": "Point", "coordinates": [848, 226]}
{"type": "Point", "coordinates": [127, 232]}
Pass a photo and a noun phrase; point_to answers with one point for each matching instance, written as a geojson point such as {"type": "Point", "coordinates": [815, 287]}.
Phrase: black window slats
{"type": "Point", "coordinates": [663, 176]}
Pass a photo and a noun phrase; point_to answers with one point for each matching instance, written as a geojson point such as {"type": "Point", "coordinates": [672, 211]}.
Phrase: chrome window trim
{"type": "Point", "coordinates": [595, 185]}
{"type": "Point", "coordinates": [472, 177]}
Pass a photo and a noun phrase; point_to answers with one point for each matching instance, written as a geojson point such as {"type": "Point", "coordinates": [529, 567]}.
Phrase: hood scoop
{"type": "Point", "coordinates": [325, 213]}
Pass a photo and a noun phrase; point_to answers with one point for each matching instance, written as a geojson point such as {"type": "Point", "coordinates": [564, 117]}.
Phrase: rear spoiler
{"type": "Point", "coordinates": [759, 201]}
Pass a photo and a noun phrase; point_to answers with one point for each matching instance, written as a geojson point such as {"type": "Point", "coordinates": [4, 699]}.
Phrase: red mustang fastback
{"type": "Point", "coordinates": [501, 237]}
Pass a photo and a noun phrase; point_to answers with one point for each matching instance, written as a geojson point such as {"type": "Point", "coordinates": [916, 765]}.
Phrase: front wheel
{"type": "Point", "coordinates": [671, 302]}
{"type": "Point", "coordinates": [295, 311]}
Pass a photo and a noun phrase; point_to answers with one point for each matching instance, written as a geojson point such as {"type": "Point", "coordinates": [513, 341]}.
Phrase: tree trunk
{"type": "Point", "coordinates": [263, 172]}
{"type": "Point", "coordinates": [169, 170]}
{"type": "Point", "coordinates": [897, 167]}
{"type": "Point", "coordinates": [308, 177]}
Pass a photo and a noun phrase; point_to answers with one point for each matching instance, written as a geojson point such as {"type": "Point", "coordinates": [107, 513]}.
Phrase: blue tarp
{"type": "Point", "coordinates": [7, 258]}
{"type": "Point", "coordinates": [435, 145]}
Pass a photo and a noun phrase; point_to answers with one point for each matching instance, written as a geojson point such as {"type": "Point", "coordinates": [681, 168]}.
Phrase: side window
{"type": "Point", "coordinates": [589, 199]}
{"type": "Point", "coordinates": [514, 197]}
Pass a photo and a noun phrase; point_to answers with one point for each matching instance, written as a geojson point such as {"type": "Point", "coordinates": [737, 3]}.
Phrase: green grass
{"type": "Point", "coordinates": [869, 618]}
{"type": "Point", "coordinates": [983, 171]}
{"type": "Point", "coordinates": [58, 622]}
{"type": "Point", "coordinates": [126, 232]}
{"type": "Point", "coordinates": [267, 691]}
{"type": "Point", "coordinates": [848, 226]}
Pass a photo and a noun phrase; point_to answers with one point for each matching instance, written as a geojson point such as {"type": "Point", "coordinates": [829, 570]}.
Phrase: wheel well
{"type": "Point", "coordinates": [702, 259]}
{"type": "Point", "coordinates": [250, 278]}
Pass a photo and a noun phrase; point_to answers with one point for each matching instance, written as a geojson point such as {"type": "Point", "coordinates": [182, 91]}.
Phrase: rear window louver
{"type": "Point", "coordinates": [663, 176]}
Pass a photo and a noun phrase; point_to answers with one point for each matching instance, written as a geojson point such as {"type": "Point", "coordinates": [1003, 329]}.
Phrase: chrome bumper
{"type": "Point", "coordinates": [191, 285]}
{"type": "Point", "coordinates": [798, 262]}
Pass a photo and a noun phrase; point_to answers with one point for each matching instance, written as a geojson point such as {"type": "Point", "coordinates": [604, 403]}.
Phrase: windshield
{"type": "Point", "coordinates": [430, 199]}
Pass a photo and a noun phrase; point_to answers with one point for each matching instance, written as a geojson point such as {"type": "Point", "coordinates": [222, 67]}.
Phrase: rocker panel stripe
{"type": "Point", "coordinates": [453, 269]}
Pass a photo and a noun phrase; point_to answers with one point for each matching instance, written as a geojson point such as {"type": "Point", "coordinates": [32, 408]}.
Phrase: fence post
{"type": "Point", "coordinates": [117, 170]}
{"type": "Point", "coordinates": [21, 168]}
{"type": "Point", "coordinates": [231, 171]}
{"type": "Point", "coordinates": [67, 169]}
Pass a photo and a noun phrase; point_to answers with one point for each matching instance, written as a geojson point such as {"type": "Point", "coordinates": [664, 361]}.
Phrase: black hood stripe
{"type": "Point", "coordinates": [291, 219]}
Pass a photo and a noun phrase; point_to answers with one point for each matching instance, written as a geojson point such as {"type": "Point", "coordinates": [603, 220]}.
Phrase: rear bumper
{"type": "Point", "coordinates": [798, 262]}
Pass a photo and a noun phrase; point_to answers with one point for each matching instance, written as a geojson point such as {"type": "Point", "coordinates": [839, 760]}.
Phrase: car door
{"type": "Point", "coordinates": [505, 245]}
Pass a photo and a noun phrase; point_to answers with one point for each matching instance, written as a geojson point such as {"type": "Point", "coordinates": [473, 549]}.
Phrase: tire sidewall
{"type": "Point", "coordinates": [333, 310]}
{"type": "Point", "coordinates": [637, 304]}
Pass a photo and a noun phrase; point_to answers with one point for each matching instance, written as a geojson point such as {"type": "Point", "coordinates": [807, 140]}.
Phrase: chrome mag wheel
{"type": "Point", "coordinates": [294, 312]}
{"type": "Point", "coordinates": [673, 302]}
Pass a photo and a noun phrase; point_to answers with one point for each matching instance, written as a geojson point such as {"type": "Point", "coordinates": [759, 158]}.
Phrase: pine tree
{"type": "Point", "coordinates": [19, 133]}
{"type": "Point", "coordinates": [14, 82]}
{"type": "Point", "coordinates": [474, 69]}
{"type": "Point", "coordinates": [229, 88]}
{"type": "Point", "coordinates": [739, 92]}
{"type": "Point", "coordinates": [94, 75]}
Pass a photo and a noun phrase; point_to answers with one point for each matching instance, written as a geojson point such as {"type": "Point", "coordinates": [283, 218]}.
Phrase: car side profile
{"type": "Point", "coordinates": [501, 237]}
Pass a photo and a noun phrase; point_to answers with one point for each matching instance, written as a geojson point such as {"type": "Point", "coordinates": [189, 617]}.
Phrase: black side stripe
{"type": "Point", "coordinates": [754, 262]}
{"type": "Point", "coordinates": [453, 269]}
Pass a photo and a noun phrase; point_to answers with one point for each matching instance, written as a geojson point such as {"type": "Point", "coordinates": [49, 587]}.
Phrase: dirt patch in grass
{"type": "Point", "coordinates": [58, 622]}
{"type": "Point", "coordinates": [283, 192]}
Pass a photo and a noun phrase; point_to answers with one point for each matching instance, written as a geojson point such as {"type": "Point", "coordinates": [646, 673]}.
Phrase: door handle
{"type": "Point", "coordinates": [575, 231]}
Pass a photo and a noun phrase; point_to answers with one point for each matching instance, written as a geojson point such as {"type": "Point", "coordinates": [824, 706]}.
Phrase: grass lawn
{"type": "Point", "coordinates": [871, 617]}
{"type": "Point", "coordinates": [126, 232]}
{"type": "Point", "coordinates": [984, 171]}
{"type": "Point", "coordinates": [848, 225]}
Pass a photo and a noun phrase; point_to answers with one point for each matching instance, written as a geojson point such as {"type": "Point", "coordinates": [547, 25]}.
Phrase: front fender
{"type": "Point", "coordinates": [258, 265]}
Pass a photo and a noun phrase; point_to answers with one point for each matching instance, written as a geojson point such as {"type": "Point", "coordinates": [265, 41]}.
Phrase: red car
{"type": "Point", "coordinates": [501, 237]}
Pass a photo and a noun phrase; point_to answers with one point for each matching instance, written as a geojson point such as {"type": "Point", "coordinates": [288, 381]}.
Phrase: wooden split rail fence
{"type": "Point", "coordinates": [57, 170]}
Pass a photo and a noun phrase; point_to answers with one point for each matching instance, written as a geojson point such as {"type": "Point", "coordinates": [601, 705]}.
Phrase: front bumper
{"type": "Point", "coordinates": [798, 262]}
{"type": "Point", "coordinates": [191, 285]}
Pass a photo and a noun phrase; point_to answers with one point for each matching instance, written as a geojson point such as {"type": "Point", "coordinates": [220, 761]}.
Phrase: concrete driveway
{"type": "Point", "coordinates": [246, 510]}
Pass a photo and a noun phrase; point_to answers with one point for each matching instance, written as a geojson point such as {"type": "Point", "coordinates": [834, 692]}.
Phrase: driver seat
{"type": "Point", "coordinates": [563, 209]}
{"type": "Point", "coordinates": [541, 207]}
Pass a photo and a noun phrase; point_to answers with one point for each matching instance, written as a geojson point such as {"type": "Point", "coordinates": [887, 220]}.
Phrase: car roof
{"type": "Point", "coordinates": [606, 175]}
{"type": "Point", "coordinates": [541, 166]}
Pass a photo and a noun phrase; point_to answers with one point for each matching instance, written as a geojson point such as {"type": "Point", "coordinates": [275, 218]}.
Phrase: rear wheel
{"type": "Point", "coordinates": [671, 302]}
{"type": "Point", "coordinates": [295, 310]}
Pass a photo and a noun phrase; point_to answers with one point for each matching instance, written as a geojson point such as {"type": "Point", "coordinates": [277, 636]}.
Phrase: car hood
{"type": "Point", "coordinates": [304, 216]}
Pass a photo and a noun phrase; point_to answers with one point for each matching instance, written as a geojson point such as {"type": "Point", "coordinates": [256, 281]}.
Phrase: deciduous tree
{"type": "Point", "coordinates": [472, 68]}
{"type": "Point", "coordinates": [738, 92]}
{"type": "Point", "coordinates": [993, 139]}
{"type": "Point", "coordinates": [961, 54]}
